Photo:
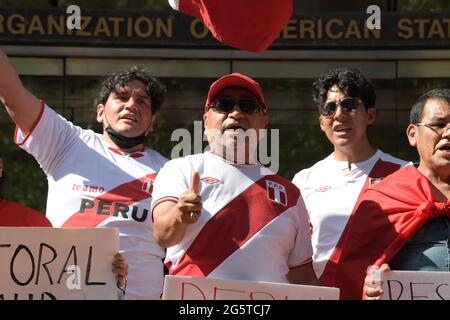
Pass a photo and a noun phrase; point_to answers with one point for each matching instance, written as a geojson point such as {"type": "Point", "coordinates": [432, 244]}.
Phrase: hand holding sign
{"type": "Point", "coordinates": [120, 269]}
{"type": "Point", "coordinates": [190, 201]}
{"type": "Point", "coordinates": [373, 282]}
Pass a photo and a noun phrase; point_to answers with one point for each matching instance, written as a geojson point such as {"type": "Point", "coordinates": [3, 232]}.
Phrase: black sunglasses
{"type": "Point", "coordinates": [350, 104]}
{"type": "Point", "coordinates": [227, 105]}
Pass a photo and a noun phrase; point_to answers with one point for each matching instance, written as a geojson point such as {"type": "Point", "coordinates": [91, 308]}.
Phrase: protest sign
{"type": "Point", "coordinates": [189, 288]}
{"type": "Point", "coordinates": [57, 263]}
{"type": "Point", "coordinates": [415, 285]}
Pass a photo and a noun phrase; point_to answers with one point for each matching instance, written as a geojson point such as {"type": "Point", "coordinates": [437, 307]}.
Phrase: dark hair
{"type": "Point", "coordinates": [350, 80]}
{"type": "Point", "coordinates": [417, 110]}
{"type": "Point", "coordinates": [154, 88]}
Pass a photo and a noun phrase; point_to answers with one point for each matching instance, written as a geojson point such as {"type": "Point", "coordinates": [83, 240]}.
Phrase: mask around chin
{"type": "Point", "coordinates": [124, 142]}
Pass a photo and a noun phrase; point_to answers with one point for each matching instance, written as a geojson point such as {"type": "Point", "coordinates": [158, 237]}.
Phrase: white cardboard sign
{"type": "Point", "coordinates": [57, 263]}
{"type": "Point", "coordinates": [415, 285]}
{"type": "Point", "coordinates": [189, 288]}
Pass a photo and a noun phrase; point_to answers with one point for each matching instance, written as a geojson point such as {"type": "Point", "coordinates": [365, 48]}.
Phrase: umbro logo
{"type": "Point", "coordinates": [210, 180]}
{"type": "Point", "coordinates": [323, 189]}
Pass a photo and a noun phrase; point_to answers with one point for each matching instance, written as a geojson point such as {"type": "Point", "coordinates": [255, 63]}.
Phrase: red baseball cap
{"type": "Point", "coordinates": [234, 80]}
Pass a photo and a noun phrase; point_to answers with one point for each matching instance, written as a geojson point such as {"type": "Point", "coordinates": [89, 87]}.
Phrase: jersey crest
{"type": "Point", "coordinates": [276, 192]}
{"type": "Point", "coordinates": [147, 185]}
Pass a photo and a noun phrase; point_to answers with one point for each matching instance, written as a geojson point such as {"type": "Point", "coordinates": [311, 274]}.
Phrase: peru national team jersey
{"type": "Point", "coordinates": [330, 191]}
{"type": "Point", "coordinates": [90, 184]}
{"type": "Point", "coordinates": [253, 224]}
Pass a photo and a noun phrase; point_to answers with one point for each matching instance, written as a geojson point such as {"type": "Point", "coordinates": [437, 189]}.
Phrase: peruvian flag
{"type": "Point", "coordinates": [250, 25]}
{"type": "Point", "coordinates": [388, 216]}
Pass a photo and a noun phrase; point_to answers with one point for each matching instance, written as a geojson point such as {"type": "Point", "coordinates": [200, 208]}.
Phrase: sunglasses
{"type": "Point", "coordinates": [226, 105]}
{"type": "Point", "coordinates": [350, 104]}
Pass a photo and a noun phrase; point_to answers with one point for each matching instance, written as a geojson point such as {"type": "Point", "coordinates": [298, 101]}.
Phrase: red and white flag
{"type": "Point", "coordinates": [250, 25]}
{"type": "Point", "coordinates": [388, 216]}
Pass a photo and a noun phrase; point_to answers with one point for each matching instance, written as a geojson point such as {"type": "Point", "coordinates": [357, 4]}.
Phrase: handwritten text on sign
{"type": "Point", "coordinates": [188, 288]}
{"type": "Point", "coordinates": [57, 263]}
{"type": "Point", "coordinates": [415, 285]}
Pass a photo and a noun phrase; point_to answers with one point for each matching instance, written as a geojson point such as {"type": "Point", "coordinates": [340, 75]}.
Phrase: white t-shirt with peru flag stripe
{"type": "Point", "coordinates": [253, 224]}
{"type": "Point", "coordinates": [90, 184]}
{"type": "Point", "coordinates": [330, 190]}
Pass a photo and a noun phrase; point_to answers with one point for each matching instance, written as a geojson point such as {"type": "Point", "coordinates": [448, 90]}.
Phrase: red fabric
{"type": "Point", "coordinates": [13, 214]}
{"type": "Point", "coordinates": [388, 216]}
{"type": "Point", "coordinates": [233, 226]}
{"type": "Point", "coordinates": [245, 24]}
{"type": "Point", "coordinates": [381, 169]}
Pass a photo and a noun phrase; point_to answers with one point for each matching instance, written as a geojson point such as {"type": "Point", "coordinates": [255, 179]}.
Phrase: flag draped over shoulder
{"type": "Point", "coordinates": [380, 170]}
{"type": "Point", "coordinates": [388, 215]}
{"type": "Point", "coordinates": [250, 25]}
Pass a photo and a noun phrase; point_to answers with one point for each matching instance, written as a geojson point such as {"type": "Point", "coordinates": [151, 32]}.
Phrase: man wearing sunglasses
{"type": "Point", "coordinates": [331, 187]}
{"type": "Point", "coordinates": [221, 214]}
{"type": "Point", "coordinates": [404, 219]}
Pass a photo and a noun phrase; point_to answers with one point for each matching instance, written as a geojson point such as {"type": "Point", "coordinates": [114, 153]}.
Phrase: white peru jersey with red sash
{"type": "Point", "coordinates": [330, 191]}
{"type": "Point", "coordinates": [91, 184]}
{"type": "Point", "coordinates": [253, 224]}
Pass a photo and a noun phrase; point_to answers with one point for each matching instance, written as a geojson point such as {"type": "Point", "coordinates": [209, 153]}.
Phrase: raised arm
{"type": "Point", "coordinates": [372, 285]}
{"type": "Point", "coordinates": [172, 219]}
{"type": "Point", "coordinates": [21, 105]}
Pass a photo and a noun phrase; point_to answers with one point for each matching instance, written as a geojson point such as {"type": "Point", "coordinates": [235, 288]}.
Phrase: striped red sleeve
{"type": "Point", "coordinates": [161, 200]}
{"type": "Point", "coordinates": [16, 131]}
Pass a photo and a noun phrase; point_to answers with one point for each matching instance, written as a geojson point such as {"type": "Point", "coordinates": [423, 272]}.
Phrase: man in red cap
{"type": "Point", "coordinates": [221, 214]}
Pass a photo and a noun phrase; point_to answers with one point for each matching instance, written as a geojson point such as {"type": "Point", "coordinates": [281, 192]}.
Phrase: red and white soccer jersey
{"type": "Point", "coordinates": [330, 190]}
{"type": "Point", "coordinates": [253, 224]}
{"type": "Point", "coordinates": [90, 184]}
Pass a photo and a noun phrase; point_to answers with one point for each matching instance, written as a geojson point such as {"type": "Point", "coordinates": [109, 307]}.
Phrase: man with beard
{"type": "Point", "coordinates": [221, 214]}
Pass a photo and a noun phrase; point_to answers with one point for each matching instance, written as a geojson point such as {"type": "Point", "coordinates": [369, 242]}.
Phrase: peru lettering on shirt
{"type": "Point", "coordinates": [330, 191]}
{"type": "Point", "coordinates": [245, 231]}
{"type": "Point", "coordinates": [93, 185]}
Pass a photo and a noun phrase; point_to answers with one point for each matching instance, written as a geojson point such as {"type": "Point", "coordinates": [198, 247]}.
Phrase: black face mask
{"type": "Point", "coordinates": [124, 142]}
